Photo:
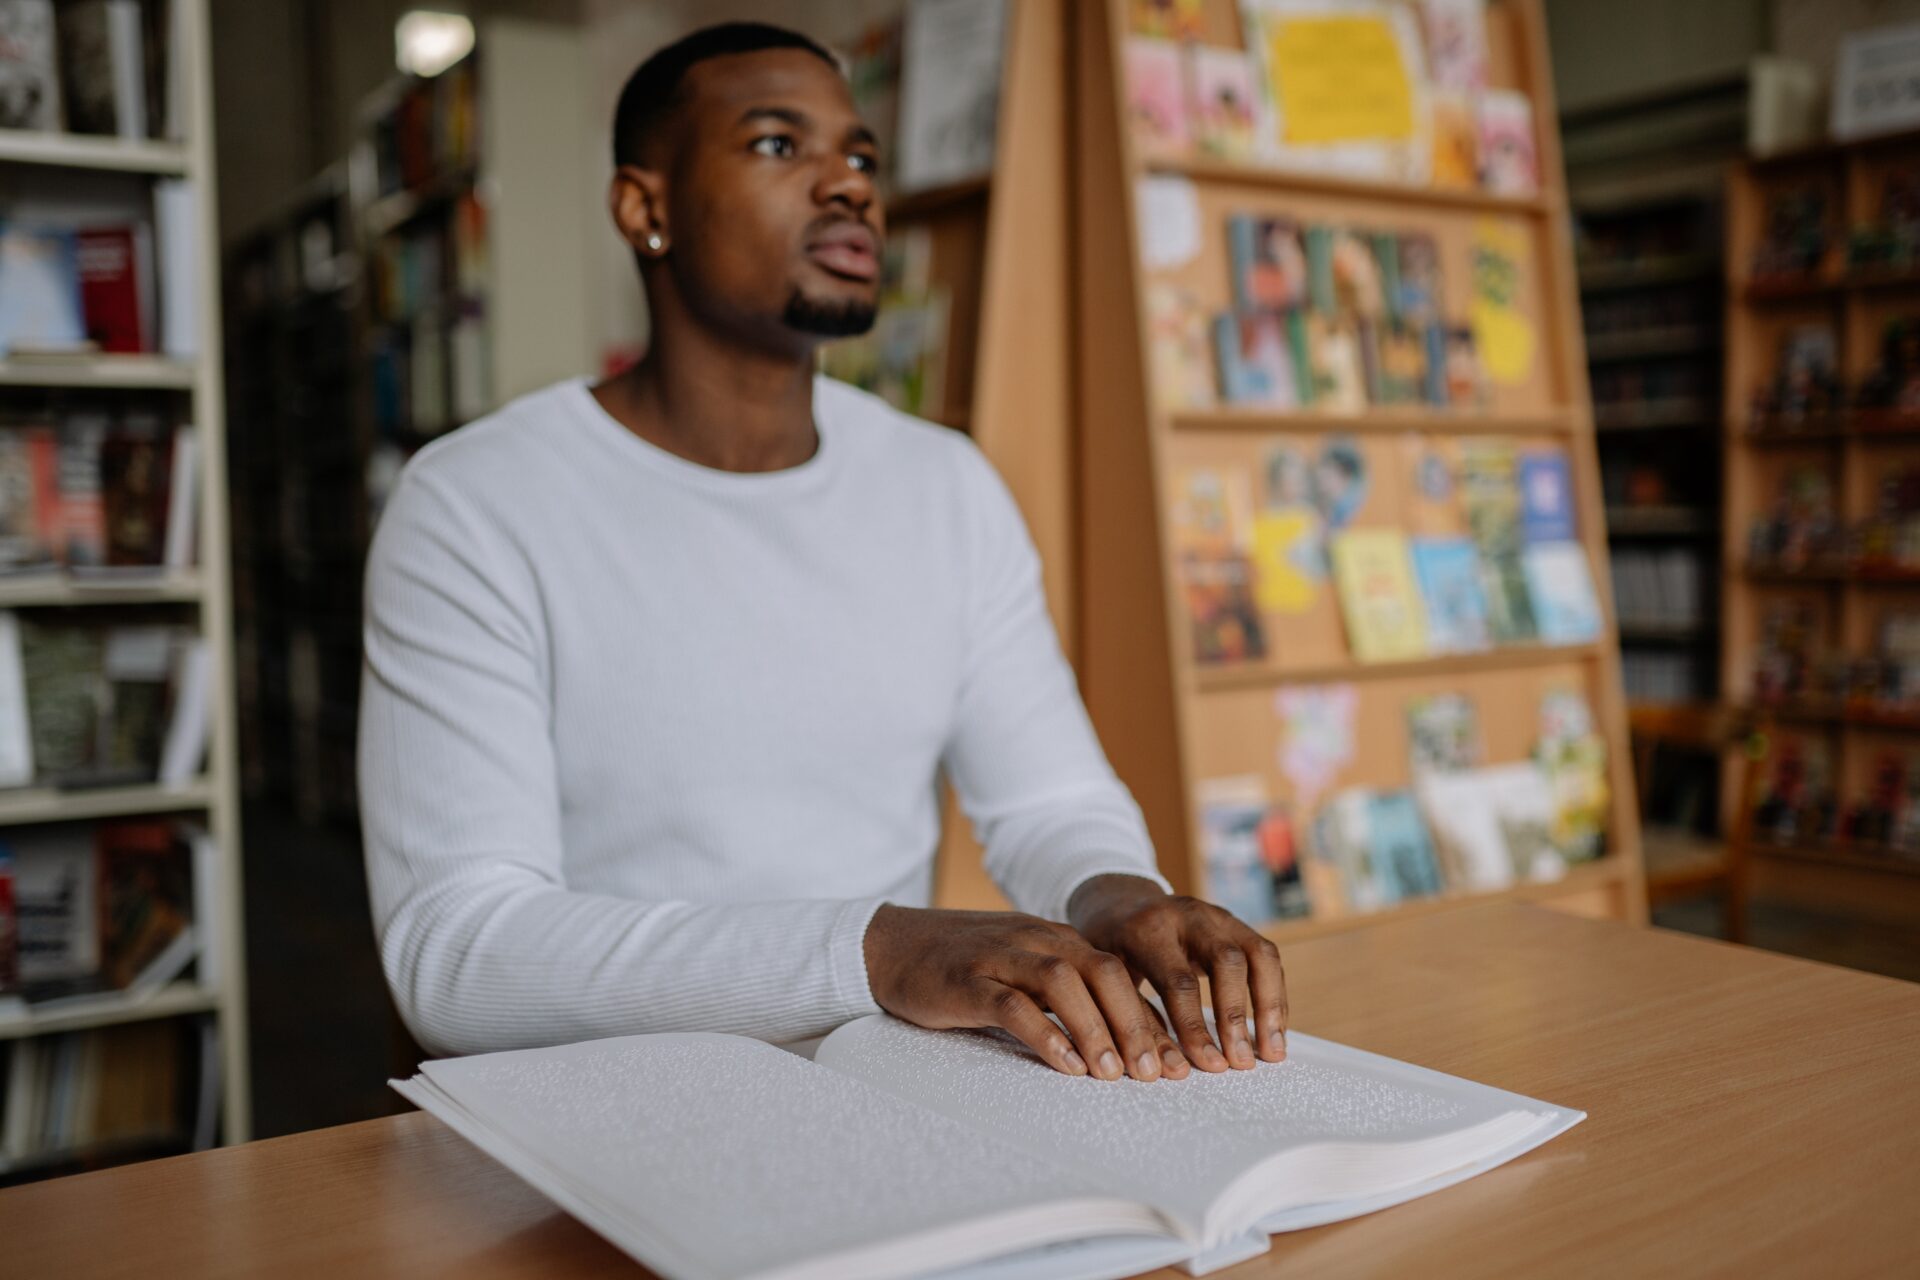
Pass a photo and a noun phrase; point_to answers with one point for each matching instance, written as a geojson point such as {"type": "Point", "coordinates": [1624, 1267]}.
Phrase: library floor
{"type": "Point", "coordinates": [325, 1040]}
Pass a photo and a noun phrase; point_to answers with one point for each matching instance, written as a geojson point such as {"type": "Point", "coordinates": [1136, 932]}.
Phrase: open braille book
{"type": "Point", "coordinates": [899, 1151]}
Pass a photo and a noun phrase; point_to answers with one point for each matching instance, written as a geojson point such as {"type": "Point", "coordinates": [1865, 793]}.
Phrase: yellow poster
{"type": "Point", "coordinates": [1339, 78]}
{"type": "Point", "coordinates": [1502, 331]}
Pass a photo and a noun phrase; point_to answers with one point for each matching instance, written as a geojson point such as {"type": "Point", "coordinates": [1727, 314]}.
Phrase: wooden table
{"type": "Point", "coordinates": [1748, 1115]}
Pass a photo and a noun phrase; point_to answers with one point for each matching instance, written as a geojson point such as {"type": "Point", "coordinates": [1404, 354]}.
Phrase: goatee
{"type": "Point", "coordinates": [828, 319]}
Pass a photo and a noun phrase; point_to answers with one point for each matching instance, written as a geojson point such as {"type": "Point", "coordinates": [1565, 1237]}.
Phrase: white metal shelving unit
{"type": "Point", "coordinates": [215, 795]}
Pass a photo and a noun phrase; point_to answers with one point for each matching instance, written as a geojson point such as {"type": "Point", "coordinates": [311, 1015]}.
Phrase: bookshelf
{"type": "Point", "coordinates": [1177, 724]}
{"type": "Point", "coordinates": [1820, 443]}
{"type": "Point", "coordinates": [66, 172]}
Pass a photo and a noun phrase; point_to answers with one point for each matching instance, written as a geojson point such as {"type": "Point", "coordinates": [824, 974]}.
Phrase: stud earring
{"type": "Point", "coordinates": [654, 243]}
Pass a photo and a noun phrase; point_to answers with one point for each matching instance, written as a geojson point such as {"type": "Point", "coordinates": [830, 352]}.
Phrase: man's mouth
{"type": "Point", "coordinates": [848, 250]}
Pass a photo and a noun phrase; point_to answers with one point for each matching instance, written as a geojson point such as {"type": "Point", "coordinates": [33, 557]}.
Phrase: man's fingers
{"type": "Point", "coordinates": [1058, 982]}
{"type": "Point", "coordinates": [1014, 1010]}
{"type": "Point", "coordinates": [1267, 980]}
{"type": "Point", "coordinates": [1125, 1013]}
{"type": "Point", "coordinates": [1179, 990]}
{"type": "Point", "coordinates": [1173, 1063]}
{"type": "Point", "coordinates": [1231, 1003]}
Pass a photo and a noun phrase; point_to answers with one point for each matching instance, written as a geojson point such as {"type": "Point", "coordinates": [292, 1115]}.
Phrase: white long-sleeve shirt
{"type": "Point", "coordinates": [645, 744]}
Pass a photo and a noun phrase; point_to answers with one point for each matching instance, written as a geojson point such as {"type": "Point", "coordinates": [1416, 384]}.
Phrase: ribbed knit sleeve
{"type": "Point", "coordinates": [1023, 757]}
{"type": "Point", "coordinates": [484, 944]}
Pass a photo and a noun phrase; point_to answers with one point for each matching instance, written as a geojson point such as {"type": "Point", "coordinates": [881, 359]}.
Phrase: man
{"type": "Point", "coordinates": [660, 672]}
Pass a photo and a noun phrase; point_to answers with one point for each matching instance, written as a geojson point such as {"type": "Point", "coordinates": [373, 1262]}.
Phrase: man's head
{"type": "Point", "coordinates": [744, 180]}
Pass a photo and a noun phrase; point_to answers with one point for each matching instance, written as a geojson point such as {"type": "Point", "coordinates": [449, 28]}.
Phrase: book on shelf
{"type": "Point", "coordinates": [1156, 93]}
{"type": "Point", "coordinates": [872, 1160]}
{"type": "Point", "coordinates": [1256, 353]}
{"type": "Point", "coordinates": [1212, 535]}
{"type": "Point", "coordinates": [1167, 19]}
{"type": "Point", "coordinates": [73, 1096]}
{"type": "Point", "coordinates": [1252, 862]}
{"type": "Point", "coordinates": [103, 61]}
{"type": "Point", "coordinates": [115, 265]}
{"type": "Point", "coordinates": [1492, 826]}
{"type": "Point", "coordinates": [1374, 577]}
{"type": "Point", "coordinates": [1453, 590]}
{"type": "Point", "coordinates": [1509, 159]}
{"type": "Point", "coordinates": [176, 241]}
{"type": "Point", "coordinates": [1545, 477]}
{"type": "Point", "coordinates": [40, 299]}
{"type": "Point", "coordinates": [1377, 846]}
{"type": "Point", "coordinates": [1560, 592]}
{"type": "Point", "coordinates": [29, 66]}
{"type": "Point", "coordinates": [1269, 263]}
{"type": "Point", "coordinates": [113, 704]}
{"type": "Point", "coordinates": [16, 732]}
{"type": "Point", "coordinates": [1224, 97]}
{"type": "Point", "coordinates": [949, 90]}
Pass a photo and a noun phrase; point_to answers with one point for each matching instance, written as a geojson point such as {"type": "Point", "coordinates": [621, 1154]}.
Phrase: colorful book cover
{"type": "Point", "coordinates": [1546, 496]}
{"type": "Point", "coordinates": [1167, 19]}
{"type": "Point", "coordinates": [1453, 589]}
{"type": "Point", "coordinates": [1183, 372]}
{"type": "Point", "coordinates": [29, 71]}
{"type": "Point", "coordinates": [1225, 100]}
{"type": "Point", "coordinates": [1401, 352]}
{"type": "Point", "coordinates": [1456, 38]}
{"type": "Point", "coordinates": [1432, 469]}
{"type": "Point", "coordinates": [1466, 386]}
{"type": "Point", "coordinates": [1374, 576]}
{"type": "Point", "coordinates": [1509, 164]}
{"type": "Point", "coordinates": [1456, 141]}
{"type": "Point", "coordinates": [1560, 585]}
{"type": "Point", "coordinates": [40, 306]}
{"type": "Point", "coordinates": [1443, 733]}
{"type": "Point", "coordinates": [1269, 263]}
{"type": "Point", "coordinates": [1256, 359]}
{"type": "Point", "coordinates": [1417, 299]}
{"type": "Point", "coordinates": [1343, 853]}
{"type": "Point", "coordinates": [1157, 95]}
{"type": "Point", "coordinates": [1338, 369]}
{"type": "Point", "coordinates": [116, 291]}
{"type": "Point", "coordinates": [1212, 529]}
{"type": "Point", "coordinates": [1402, 855]}
{"type": "Point", "coordinates": [1490, 493]}
{"type": "Point", "coordinates": [1231, 813]}
{"type": "Point", "coordinates": [1357, 286]}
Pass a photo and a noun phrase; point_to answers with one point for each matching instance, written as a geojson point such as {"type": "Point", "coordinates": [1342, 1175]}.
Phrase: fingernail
{"type": "Point", "coordinates": [1276, 1042]}
{"type": "Point", "coordinates": [1110, 1064]}
{"type": "Point", "coordinates": [1172, 1062]}
{"type": "Point", "coordinates": [1075, 1063]}
{"type": "Point", "coordinates": [1148, 1066]}
{"type": "Point", "coordinates": [1211, 1060]}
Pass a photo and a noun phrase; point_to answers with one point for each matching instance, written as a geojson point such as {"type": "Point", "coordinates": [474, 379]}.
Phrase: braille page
{"type": "Point", "coordinates": [713, 1157]}
{"type": "Point", "coordinates": [1210, 1150]}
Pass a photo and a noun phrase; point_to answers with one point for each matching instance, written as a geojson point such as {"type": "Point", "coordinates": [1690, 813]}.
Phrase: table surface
{"type": "Point", "coordinates": [1748, 1115]}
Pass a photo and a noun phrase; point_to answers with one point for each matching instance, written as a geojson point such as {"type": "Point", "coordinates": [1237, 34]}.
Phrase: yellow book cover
{"type": "Point", "coordinates": [1374, 575]}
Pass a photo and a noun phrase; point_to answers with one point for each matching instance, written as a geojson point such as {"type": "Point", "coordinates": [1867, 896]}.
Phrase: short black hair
{"type": "Point", "coordinates": [654, 86]}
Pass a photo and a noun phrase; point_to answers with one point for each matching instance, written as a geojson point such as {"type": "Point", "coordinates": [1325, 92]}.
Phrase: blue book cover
{"type": "Point", "coordinates": [1560, 584]}
{"type": "Point", "coordinates": [1452, 587]}
{"type": "Point", "coordinates": [1255, 355]}
{"type": "Point", "coordinates": [1269, 263]}
{"type": "Point", "coordinates": [1401, 852]}
{"type": "Point", "coordinates": [1546, 497]}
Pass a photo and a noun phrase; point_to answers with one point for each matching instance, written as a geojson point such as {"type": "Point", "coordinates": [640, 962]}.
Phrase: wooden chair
{"type": "Point", "coordinates": [1681, 864]}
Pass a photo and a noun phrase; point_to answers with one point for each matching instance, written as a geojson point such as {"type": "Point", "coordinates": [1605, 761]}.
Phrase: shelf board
{"type": "Point", "coordinates": [131, 373]}
{"type": "Point", "coordinates": [1840, 715]}
{"type": "Point", "coordinates": [1654, 415]}
{"type": "Point", "coordinates": [109, 1009]}
{"type": "Point", "coordinates": [920, 204]}
{"type": "Point", "coordinates": [1580, 878]}
{"type": "Point", "coordinates": [52, 804]}
{"type": "Point", "coordinates": [1687, 268]}
{"type": "Point", "coordinates": [1505, 658]}
{"type": "Point", "coordinates": [1835, 574]}
{"type": "Point", "coordinates": [396, 209]}
{"type": "Point", "coordinates": [1225, 172]}
{"type": "Point", "coordinates": [1826, 284]}
{"type": "Point", "coordinates": [55, 590]}
{"type": "Point", "coordinates": [1680, 633]}
{"type": "Point", "coordinates": [1652, 344]}
{"type": "Point", "coordinates": [1383, 420]}
{"type": "Point", "coordinates": [1868, 426]}
{"type": "Point", "coordinates": [82, 151]}
{"type": "Point", "coordinates": [1841, 855]}
{"type": "Point", "coordinates": [1660, 522]}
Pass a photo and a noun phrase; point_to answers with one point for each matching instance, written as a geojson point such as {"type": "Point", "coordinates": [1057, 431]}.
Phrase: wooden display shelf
{"type": "Point", "coordinates": [1659, 522]}
{"type": "Point", "coordinates": [55, 590]}
{"type": "Point", "coordinates": [82, 151]}
{"type": "Point", "coordinates": [51, 804]}
{"type": "Point", "coordinates": [104, 372]}
{"type": "Point", "coordinates": [1677, 633]}
{"type": "Point", "coordinates": [107, 1010]}
{"type": "Point", "coordinates": [1230, 173]}
{"type": "Point", "coordinates": [1382, 420]}
{"type": "Point", "coordinates": [1653, 415]}
{"type": "Point", "coordinates": [1504, 658]}
{"type": "Point", "coordinates": [1650, 344]}
{"type": "Point", "coordinates": [1863, 425]}
{"type": "Point", "coordinates": [1834, 574]}
{"type": "Point", "coordinates": [1826, 285]}
{"type": "Point", "coordinates": [1171, 727]}
{"type": "Point", "coordinates": [1826, 712]}
{"type": "Point", "coordinates": [1610, 872]}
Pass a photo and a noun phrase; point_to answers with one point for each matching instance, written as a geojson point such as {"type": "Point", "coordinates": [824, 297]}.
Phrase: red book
{"type": "Point", "coordinates": [115, 289]}
{"type": "Point", "coordinates": [9, 933]}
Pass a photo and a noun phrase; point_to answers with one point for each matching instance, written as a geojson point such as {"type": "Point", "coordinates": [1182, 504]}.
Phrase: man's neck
{"type": "Point", "coordinates": [717, 406]}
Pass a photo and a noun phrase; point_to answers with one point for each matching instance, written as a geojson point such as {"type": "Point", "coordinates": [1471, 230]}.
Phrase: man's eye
{"type": "Point", "coordinates": [864, 163]}
{"type": "Point", "coordinates": [775, 144]}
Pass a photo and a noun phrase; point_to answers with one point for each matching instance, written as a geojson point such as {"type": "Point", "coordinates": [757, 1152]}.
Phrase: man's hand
{"type": "Point", "coordinates": [1171, 941]}
{"type": "Point", "coordinates": [1003, 969]}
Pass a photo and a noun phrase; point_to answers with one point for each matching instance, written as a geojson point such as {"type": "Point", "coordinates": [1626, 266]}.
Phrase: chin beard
{"type": "Point", "coordinates": [828, 319]}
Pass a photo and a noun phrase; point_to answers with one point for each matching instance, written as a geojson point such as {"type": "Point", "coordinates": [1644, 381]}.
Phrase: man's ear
{"type": "Point", "coordinates": [637, 200]}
